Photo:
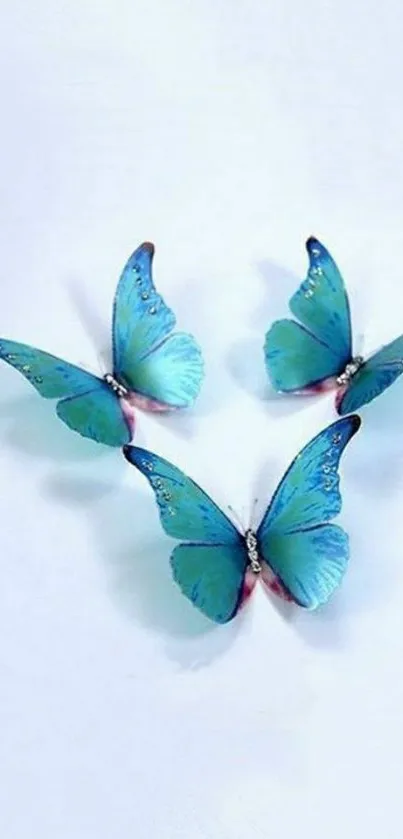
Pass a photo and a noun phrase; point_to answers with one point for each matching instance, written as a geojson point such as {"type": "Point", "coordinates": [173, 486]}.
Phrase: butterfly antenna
{"type": "Point", "coordinates": [237, 518]}
{"type": "Point", "coordinates": [252, 517]}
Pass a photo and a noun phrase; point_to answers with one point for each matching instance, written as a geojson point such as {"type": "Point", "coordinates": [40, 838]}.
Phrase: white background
{"type": "Point", "coordinates": [226, 132]}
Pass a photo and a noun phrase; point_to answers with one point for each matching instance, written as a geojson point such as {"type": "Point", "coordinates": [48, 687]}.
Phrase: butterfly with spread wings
{"type": "Point", "coordinates": [315, 354]}
{"type": "Point", "coordinates": [295, 550]}
{"type": "Point", "coordinates": [154, 368]}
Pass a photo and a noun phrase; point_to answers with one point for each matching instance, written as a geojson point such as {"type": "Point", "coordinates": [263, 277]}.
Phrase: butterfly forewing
{"type": "Point", "coordinates": [307, 554]}
{"type": "Point", "coordinates": [147, 358]}
{"type": "Point", "coordinates": [210, 568]}
{"type": "Point", "coordinates": [301, 355]}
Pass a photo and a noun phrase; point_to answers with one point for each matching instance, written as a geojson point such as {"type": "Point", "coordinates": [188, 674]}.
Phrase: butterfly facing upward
{"type": "Point", "coordinates": [316, 355]}
{"type": "Point", "coordinates": [297, 553]}
{"type": "Point", "coordinates": [154, 368]}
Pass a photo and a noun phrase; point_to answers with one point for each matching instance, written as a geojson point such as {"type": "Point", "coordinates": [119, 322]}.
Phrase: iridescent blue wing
{"type": "Point", "coordinates": [88, 405]}
{"type": "Point", "coordinates": [307, 554]}
{"type": "Point", "coordinates": [375, 375]}
{"type": "Point", "coordinates": [210, 569]}
{"type": "Point", "coordinates": [295, 359]}
{"type": "Point", "coordinates": [301, 356]}
{"type": "Point", "coordinates": [147, 358]}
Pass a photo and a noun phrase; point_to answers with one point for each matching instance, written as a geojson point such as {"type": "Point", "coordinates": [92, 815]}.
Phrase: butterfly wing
{"type": "Point", "coordinates": [304, 551]}
{"type": "Point", "coordinates": [97, 414]}
{"type": "Point", "coordinates": [375, 375]}
{"type": "Point", "coordinates": [295, 359]}
{"type": "Point", "coordinates": [210, 569]}
{"type": "Point", "coordinates": [147, 358]}
{"type": "Point", "coordinates": [300, 356]}
{"type": "Point", "coordinates": [52, 377]}
{"type": "Point", "coordinates": [87, 404]}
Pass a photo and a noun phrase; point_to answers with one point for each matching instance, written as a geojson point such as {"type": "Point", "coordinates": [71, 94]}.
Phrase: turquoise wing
{"type": "Point", "coordinates": [170, 374]}
{"type": "Point", "coordinates": [147, 358]}
{"type": "Point", "coordinates": [299, 355]}
{"type": "Point", "coordinates": [98, 415]}
{"type": "Point", "coordinates": [295, 359]}
{"type": "Point", "coordinates": [307, 554]}
{"type": "Point", "coordinates": [321, 302]}
{"type": "Point", "coordinates": [309, 563]}
{"type": "Point", "coordinates": [210, 569]}
{"type": "Point", "coordinates": [87, 404]}
{"type": "Point", "coordinates": [141, 319]}
{"type": "Point", "coordinates": [375, 375]}
{"type": "Point", "coordinates": [52, 377]}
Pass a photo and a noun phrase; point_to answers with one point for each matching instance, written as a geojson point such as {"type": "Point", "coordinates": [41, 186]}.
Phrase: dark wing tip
{"type": "Point", "coordinates": [356, 422]}
{"type": "Point", "coordinates": [148, 246]}
{"type": "Point", "coordinates": [127, 451]}
{"type": "Point", "coordinates": [312, 242]}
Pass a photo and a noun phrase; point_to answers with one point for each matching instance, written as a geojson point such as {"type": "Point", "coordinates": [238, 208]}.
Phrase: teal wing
{"type": "Point", "coordinates": [295, 359]}
{"type": "Point", "coordinates": [303, 550]}
{"type": "Point", "coordinates": [309, 563]}
{"type": "Point", "coordinates": [321, 302]}
{"type": "Point", "coordinates": [86, 403]}
{"type": "Point", "coordinates": [210, 569]}
{"type": "Point", "coordinates": [147, 358]}
{"type": "Point", "coordinates": [171, 374]}
{"type": "Point", "coordinates": [52, 377]}
{"type": "Point", "coordinates": [98, 415]}
{"type": "Point", "coordinates": [300, 355]}
{"type": "Point", "coordinates": [141, 318]}
{"type": "Point", "coordinates": [375, 375]}
{"type": "Point", "coordinates": [212, 577]}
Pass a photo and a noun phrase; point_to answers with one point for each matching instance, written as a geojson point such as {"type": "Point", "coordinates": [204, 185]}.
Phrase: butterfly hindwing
{"type": "Point", "coordinates": [147, 358]}
{"type": "Point", "coordinates": [295, 359]}
{"type": "Point", "coordinates": [375, 375]}
{"type": "Point", "coordinates": [307, 554]}
{"type": "Point", "coordinates": [300, 356]}
{"type": "Point", "coordinates": [171, 373]}
{"type": "Point", "coordinates": [86, 404]}
{"type": "Point", "coordinates": [212, 577]}
{"type": "Point", "coordinates": [98, 415]}
{"type": "Point", "coordinates": [210, 569]}
{"type": "Point", "coordinates": [310, 563]}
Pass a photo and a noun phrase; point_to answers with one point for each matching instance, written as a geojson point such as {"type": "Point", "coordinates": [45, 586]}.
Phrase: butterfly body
{"type": "Point", "coordinates": [116, 386]}
{"type": "Point", "coordinates": [154, 368]}
{"type": "Point", "coordinates": [296, 551]}
{"type": "Point", "coordinates": [314, 353]}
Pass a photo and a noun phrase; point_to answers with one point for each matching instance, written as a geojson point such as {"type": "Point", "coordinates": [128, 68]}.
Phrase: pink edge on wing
{"type": "Point", "coordinates": [146, 404]}
{"type": "Point", "coordinates": [128, 414]}
{"type": "Point", "coordinates": [274, 584]}
{"type": "Point", "coordinates": [339, 395]}
{"type": "Point", "coordinates": [248, 586]}
{"type": "Point", "coordinates": [320, 387]}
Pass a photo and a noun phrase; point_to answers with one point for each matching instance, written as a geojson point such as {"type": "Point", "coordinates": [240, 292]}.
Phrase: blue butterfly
{"type": "Point", "coordinates": [295, 550]}
{"type": "Point", "coordinates": [316, 354]}
{"type": "Point", "coordinates": [154, 368]}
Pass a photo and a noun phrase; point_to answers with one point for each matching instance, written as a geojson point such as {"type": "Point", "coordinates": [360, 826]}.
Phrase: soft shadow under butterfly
{"type": "Point", "coordinates": [316, 354]}
{"type": "Point", "coordinates": [152, 368]}
{"type": "Point", "coordinates": [298, 554]}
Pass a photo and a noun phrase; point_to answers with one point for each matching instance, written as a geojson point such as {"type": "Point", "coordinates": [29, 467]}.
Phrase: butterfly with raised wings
{"type": "Point", "coordinates": [296, 551]}
{"type": "Point", "coordinates": [316, 354]}
{"type": "Point", "coordinates": [154, 368]}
